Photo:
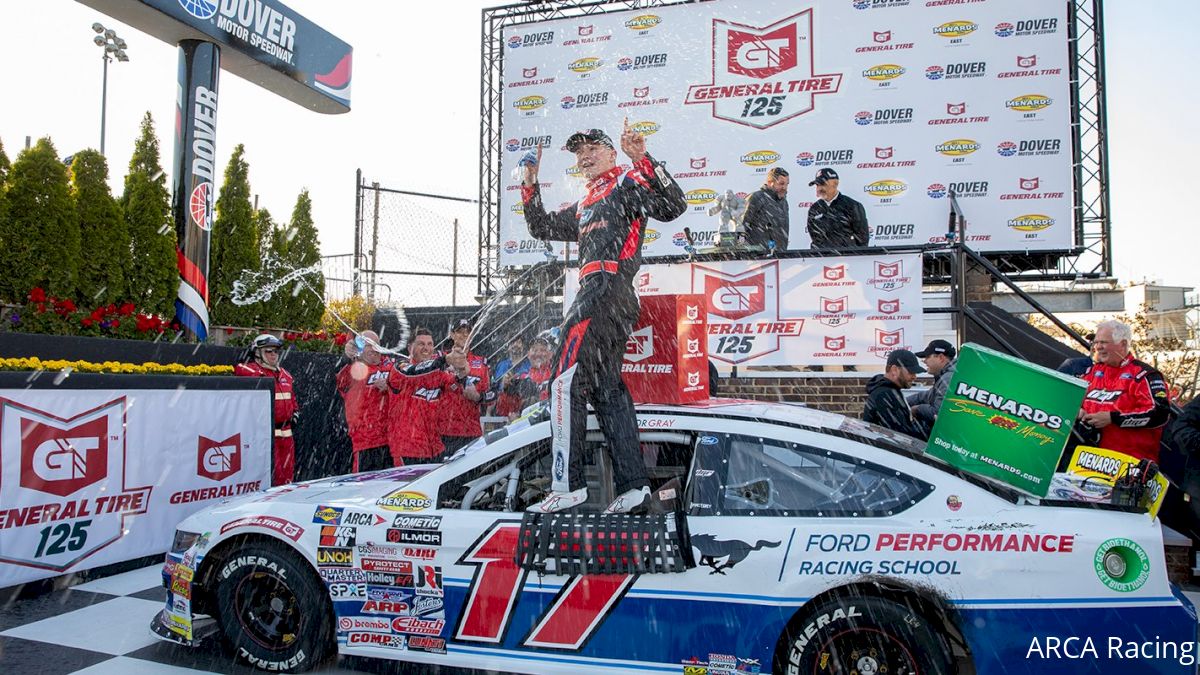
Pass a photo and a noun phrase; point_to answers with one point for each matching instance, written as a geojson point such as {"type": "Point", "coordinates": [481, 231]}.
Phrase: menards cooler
{"type": "Point", "coordinates": [666, 357]}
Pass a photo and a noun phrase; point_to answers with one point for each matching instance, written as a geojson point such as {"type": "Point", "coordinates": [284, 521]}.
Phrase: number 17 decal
{"type": "Point", "coordinates": [573, 617]}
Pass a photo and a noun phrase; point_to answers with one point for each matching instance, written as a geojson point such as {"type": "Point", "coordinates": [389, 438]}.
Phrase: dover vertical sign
{"type": "Point", "coordinates": [1006, 419]}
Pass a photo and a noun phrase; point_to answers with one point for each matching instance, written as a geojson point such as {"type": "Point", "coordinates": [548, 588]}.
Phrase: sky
{"type": "Point", "coordinates": [414, 123]}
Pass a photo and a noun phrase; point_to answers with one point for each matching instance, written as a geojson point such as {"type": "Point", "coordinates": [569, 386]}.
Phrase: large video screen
{"type": "Point", "coordinates": [905, 99]}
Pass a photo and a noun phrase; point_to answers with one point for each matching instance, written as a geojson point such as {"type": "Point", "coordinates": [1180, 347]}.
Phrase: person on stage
{"type": "Point", "coordinates": [767, 220]}
{"type": "Point", "coordinates": [835, 221]}
{"type": "Point", "coordinates": [609, 223]}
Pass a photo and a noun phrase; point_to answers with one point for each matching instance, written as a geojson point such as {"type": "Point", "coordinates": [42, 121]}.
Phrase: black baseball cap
{"type": "Point", "coordinates": [461, 324]}
{"type": "Point", "coordinates": [906, 360]}
{"type": "Point", "coordinates": [823, 175]}
{"type": "Point", "coordinates": [588, 136]}
{"type": "Point", "coordinates": [938, 347]}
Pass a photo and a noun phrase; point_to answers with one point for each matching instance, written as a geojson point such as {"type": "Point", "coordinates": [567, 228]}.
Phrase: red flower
{"type": "Point", "coordinates": [341, 339]}
{"type": "Point", "coordinates": [116, 323]}
{"type": "Point", "coordinates": [127, 309]}
{"type": "Point", "coordinates": [86, 322]}
{"type": "Point", "coordinates": [37, 294]}
{"type": "Point", "coordinates": [110, 309]}
{"type": "Point", "coordinates": [67, 306]}
{"type": "Point", "coordinates": [41, 307]}
{"type": "Point", "coordinates": [97, 314]}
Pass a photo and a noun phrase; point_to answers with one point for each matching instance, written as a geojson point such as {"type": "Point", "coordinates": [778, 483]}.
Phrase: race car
{"type": "Point", "coordinates": [780, 539]}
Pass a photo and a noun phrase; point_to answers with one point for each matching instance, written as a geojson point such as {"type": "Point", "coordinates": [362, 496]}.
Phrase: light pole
{"type": "Point", "coordinates": [114, 47]}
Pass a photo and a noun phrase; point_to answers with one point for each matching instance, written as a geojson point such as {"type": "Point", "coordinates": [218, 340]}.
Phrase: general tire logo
{"type": "Point", "coordinates": [640, 345]}
{"type": "Point", "coordinates": [763, 75]}
{"type": "Point", "coordinates": [218, 460]}
{"type": "Point", "coordinates": [64, 493]}
{"type": "Point", "coordinates": [744, 311]}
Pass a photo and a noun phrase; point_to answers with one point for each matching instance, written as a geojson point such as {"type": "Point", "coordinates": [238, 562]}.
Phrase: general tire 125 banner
{"type": "Point", "coordinates": [90, 477]}
{"type": "Point", "coordinates": [849, 310]}
{"type": "Point", "coordinates": [905, 99]}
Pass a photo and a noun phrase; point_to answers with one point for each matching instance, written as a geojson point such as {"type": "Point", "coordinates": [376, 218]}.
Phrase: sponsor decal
{"type": "Point", "coordinates": [1027, 27]}
{"type": "Point", "coordinates": [200, 205]}
{"type": "Point", "coordinates": [416, 626]}
{"type": "Point", "coordinates": [835, 346]}
{"type": "Point", "coordinates": [591, 100]}
{"type": "Point", "coordinates": [376, 640]}
{"type": "Point", "coordinates": [886, 188]}
{"type": "Point", "coordinates": [881, 41]}
{"type": "Point", "coordinates": [1034, 147]}
{"type": "Point", "coordinates": [640, 345]}
{"type": "Point", "coordinates": [423, 537]}
{"type": "Point", "coordinates": [879, 4]}
{"type": "Point", "coordinates": [341, 575]}
{"type": "Point", "coordinates": [954, 30]}
{"type": "Point", "coordinates": [427, 606]}
{"type": "Point", "coordinates": [385, 565]}
{"type": "Point", "coordinates": [888, 309]}
{"type": "Point", "coordinates": [834, 275]}
{"type": "Point", "coordinates": [838, 157]}
{"type": "Point", "coordinates": [388, 594]}
{"type": "Point", "coordinates": [642, 97]}
{"type": "Point", "coordinates": [646, 128]}
{"type": "Point", "coordinates": [527, 143]}
{"type": "Point", "coordinates": [883, 72]}
{"type": "Point", "coordinates": [417, 522]}
{"type": "Point", "coordinates": [885, 158]}
{"type": "Point", "coordinates": [1029, 188]}
{"type": "Point", "coordinates": [886, 341]}
{"type": "Point", "coordinates": [759, 158]}
{"type": "Point", "coordinates": [936, 190]}
{"type": "Point", "coordinates": [586, 35]}
{"type": "Point", "coordinates": [1033, 222]}
{"type": "Point", "coordinates": [345, 591]}
{"type": "Point", "coordinates": [1029, 103]}
{"type": "Point", "coordinates": [337, 535]}
{"type": "Point", "coordinates": [965, 70]}
{"type": "Point", "coordinates": [327, 515]}
{"type": "Point", "coordinates": [957, 148]}
{"type": "Point", "coordinates": [530, 78]}
{"type": "Point", "coordinates": [278, 525]}
{"type": "Point", "coordinates": [585, 65]}
{"type": "Point", "coordinates": [834, 311]}
{"type": "Point", "coordinates": [700, 196]}
{"type": "Point", "coordinates": [720, 554]}
{"type": "Point", "coordinates": [968, 398]}
{"type": "Point", "coordinates": [643, 22]}
{"type": "Point", "coordinates": [405, 500]}
{"type": "Point", "coordinates": [884, 116]}
{"type": "Point", "coordinates": [529, 103]}
{"type": "Point", "coordinates": [889, 276]}
{"type": "Point", "coordinates": [425, 643]}
{"type": "Point", "coordinates": [392, 607]}
{"type": "Point", "coordinates": [335, 557]}
{"type": "Point", "coordinates": [531, 40]}
{"type": "Point", "coordinates": [953, 503]}
{"type": "Point", "coordinates": [429, 580]}
{"type": "Point", "coordinates": [642, 62]}
{"type": "Point", "coordinates": [744, 312]}
{"type": "Point", "coordinates": [760, 77]}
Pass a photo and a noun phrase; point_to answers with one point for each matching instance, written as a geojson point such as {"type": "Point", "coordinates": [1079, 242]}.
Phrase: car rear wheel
{"type": "Point", "coordinates": [862, 635]}
{"type": "Point", "coordinates": [272, 609]}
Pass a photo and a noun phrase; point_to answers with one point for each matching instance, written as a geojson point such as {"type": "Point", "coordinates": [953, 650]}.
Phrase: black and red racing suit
{"type": "Point", "coordinates": [608, 223]}
{"type": "Point", "coordinates": [1136, 395]}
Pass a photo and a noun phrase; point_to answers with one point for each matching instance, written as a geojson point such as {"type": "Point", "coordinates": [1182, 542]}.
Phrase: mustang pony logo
{"type": "Point", "coordinates": [773, 62]}
{"type": "Point", "coordinates": [722, 555]}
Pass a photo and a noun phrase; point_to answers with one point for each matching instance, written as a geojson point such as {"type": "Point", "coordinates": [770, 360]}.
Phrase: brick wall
{"type": "Point", "coordinates": [843, 395]}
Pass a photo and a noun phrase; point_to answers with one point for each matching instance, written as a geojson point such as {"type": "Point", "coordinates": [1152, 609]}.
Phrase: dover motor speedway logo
{"type": "Point", "coordinates": [763, 75]}
{"type": "Point", "coordinates": [63, 494]}
{"type": "Point", "coordinates": [743, 311]}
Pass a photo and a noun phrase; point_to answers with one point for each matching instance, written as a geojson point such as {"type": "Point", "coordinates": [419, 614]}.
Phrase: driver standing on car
{"type": "Point", "coordinates": [609, 223]}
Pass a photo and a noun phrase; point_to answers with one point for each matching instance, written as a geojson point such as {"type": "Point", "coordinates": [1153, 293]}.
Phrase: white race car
{"type": "Point", "coordinates": [781, 539]}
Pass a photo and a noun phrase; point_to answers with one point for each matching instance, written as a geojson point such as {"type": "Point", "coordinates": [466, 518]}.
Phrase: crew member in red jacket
{"type": "Point", "coordinates": [516, 393]}
{"type": "Point", "coordinates": [460, 409]}
{"type": "Point", "coordinates": [363, 384]}
{"type": "Point", "coordinates": [1126, 400]}
{"type": "Point", "coordinates": [415, 419]}
{"type": "Point", "coordinates": [264, 362]}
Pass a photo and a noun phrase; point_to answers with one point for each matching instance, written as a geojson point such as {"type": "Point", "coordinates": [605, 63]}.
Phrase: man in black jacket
{"type": "Point", "coordinates": [609, 223]}
{"type": "Point", "coordinates": [1185, 432]}
{"type": "Point", "coordinates": [767, 220]}
{"type": "Point", "coordinates": [835, 220]}
{"type": "Point", "coordinates": [886, 405]}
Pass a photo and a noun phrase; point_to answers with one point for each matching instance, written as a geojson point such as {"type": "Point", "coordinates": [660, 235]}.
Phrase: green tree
{"type": "Point", "coordinates": [4, 166]}
{"type": "Point", "coordinates": [104, 236]}
{"type": "Point", "coordinates": [234, 243]}
{"type": "Point", "coordinates": [41, 232]}
{"type": "Point", "coordinates": [153, 274]}
{"type": "Point", "coordinates": [302, 249]}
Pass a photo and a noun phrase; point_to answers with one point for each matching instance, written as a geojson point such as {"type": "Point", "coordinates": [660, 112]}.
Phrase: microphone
{"type": "Point", "coordinates": [691, 244]}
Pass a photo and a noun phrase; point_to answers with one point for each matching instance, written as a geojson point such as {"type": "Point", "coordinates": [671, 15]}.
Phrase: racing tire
{"type": "Point", "coordinates": [862, 634]}
{"type": "Point", "coordinates": [273, 611]}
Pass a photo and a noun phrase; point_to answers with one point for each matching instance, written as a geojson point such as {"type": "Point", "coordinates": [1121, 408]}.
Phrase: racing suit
{"type": "Point", "coordinates": [1136, 395]}
{"type": "Point", "coordinates": [460, 415]}
{"type": "Point", "coordinates": [366, 413]}
{"type": "Point", "coordinates": [609, 223]}
{"type": "Point", "coordinates": [415, 418]}
{"type": "Point", "coordinates": [283, 465]}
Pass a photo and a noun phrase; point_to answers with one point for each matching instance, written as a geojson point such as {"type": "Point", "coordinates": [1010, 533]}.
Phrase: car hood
{"type": "Point", "coordinates": [359, 489]}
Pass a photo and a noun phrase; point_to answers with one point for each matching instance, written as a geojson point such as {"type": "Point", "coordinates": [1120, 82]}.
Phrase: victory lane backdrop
{"type": "Point", "coordinates": [904, 100]}
{"type": "Point", "coordinates": [848, 310]}
{"type": "Point", "coordinates": [99, 469]}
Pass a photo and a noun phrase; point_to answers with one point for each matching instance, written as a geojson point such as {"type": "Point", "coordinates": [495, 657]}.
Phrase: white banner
{"type": "Point", "coordinates": [90, 477]}
{"type": "Point", "coordinates": [849, 310]}
{"type": "Point", "coordinates": [905, 99]}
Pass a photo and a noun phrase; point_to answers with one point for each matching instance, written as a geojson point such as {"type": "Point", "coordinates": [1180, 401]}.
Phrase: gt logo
{"type": "Point", "coordinates": [574, 615]}
{"type": "Point", "coordinates": [762, 56]}
{"type": "Point", "coordinates": [217, 460]}
{"type": "Point", "coordinates": [734, 298]}
{"type": "Point", "coordinates": [60, 461]}
{"type": "Point", "coordinates": [693, 379]}
{"type": "Point", "coordinates": [640, 345]}
{"type": "Point", "coordinates": [834, 273]}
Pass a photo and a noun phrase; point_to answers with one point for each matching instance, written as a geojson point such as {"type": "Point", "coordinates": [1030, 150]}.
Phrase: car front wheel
{"type": "Point", "coordinates": [272, 609]}
{"type": "Point", "coordinates": [863, 635]}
